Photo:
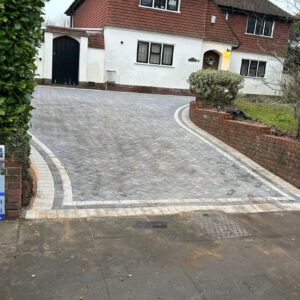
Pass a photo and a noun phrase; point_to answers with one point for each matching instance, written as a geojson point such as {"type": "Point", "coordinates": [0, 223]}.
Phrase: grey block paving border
{"type": "Point", "coordinates": [47, 167]}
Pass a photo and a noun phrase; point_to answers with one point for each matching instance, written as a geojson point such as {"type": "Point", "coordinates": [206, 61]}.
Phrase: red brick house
{"type": "Point", "coordinates": [158, 43]}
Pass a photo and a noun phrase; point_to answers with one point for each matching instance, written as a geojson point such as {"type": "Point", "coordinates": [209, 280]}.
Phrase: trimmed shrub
{"type": "Point", "coordinates": [215, 88]}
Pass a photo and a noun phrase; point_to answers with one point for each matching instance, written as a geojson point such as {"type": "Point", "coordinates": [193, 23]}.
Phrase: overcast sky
{"type": "Point", "coordinates": [55, 8]}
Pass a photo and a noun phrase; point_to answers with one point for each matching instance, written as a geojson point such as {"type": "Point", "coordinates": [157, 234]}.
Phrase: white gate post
{"type": "Point", "coordinates": [83, 59]}
{"type": "Point", "coordinates": [48, 55]}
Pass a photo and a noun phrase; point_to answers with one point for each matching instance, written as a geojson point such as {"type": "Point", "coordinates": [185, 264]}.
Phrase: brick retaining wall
{"type": "Point", "coordinates": [277, 154]}
{"type": "Point", "coordinates": [13, 188]}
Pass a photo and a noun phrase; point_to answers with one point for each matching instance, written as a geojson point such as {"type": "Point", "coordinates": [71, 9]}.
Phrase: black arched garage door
{"type": "Point", "coordinates": [65, 61]}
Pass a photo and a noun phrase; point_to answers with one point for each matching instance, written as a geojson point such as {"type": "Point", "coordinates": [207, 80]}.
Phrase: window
{"type": "Point", "coordinates": [261, 69]}
{"type": "Point", "coordinates": [168, 55]}
{"type": "Point", "coordinates": [260, 26]}
{"type": "Point", "coordinates": [171, 5]}
{"type": "Point", "coordinates": [268, 28]}
{"type": "Point", "coordinates": [251, 25]}
{"type": "Point", "coordinates": [253, 68]}
{"type": "Point", "coordinates": [154, 53]}
{"type": "Point", "coordinates": [226, 15]}
{"type": "Point", "coordinates": [147, 3]}
{"type": "Point", "coordinates": [143, 51]}
{"type": "Point", "coordinates": [160, 4]}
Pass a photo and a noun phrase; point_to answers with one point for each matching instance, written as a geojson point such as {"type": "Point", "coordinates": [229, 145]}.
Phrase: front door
{"type": "Point", "coordinates": [65, 61]}
{"type": "Point", "coordinates": [211, 60]}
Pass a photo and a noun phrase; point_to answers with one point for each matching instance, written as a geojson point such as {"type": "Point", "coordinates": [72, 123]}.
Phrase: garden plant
{"type": "Point", "coordinates": [215, 88]}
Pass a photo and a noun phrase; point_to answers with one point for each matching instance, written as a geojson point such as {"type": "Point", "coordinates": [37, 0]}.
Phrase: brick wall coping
{"type": "Point", "coordinates": [252, 127]}
{"type": "Point", "coordinates": [66, 30]}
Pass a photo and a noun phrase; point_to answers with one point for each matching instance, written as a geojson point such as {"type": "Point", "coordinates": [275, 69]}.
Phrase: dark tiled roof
{"type": "Point", "coordinates": [258, 6]}
{"type": "Point", "coordinates": [73, 7]}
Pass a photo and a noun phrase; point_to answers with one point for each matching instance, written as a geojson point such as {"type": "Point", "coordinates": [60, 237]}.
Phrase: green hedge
{"type": "Point", "coordinates": [17, 148]}
{"type": "Point", "coordinates": [20, 36]}
{"type": "Point", "coordinates": [216, 88]}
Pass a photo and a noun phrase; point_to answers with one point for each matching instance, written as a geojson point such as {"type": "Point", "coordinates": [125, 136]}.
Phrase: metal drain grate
{"type": "Point", "coordinates": [218, 226]}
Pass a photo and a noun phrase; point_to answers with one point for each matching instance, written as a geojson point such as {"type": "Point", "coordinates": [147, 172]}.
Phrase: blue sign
{"type": "Point", "coordinates": [2, 182]}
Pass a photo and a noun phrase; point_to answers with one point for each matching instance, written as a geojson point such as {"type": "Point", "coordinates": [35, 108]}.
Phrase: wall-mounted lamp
{"type": "Point", "coordinates": [227, 53]}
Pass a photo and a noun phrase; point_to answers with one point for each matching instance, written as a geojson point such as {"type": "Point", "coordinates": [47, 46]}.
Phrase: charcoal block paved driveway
{"type": "Point", "coordinates": [126, 150]}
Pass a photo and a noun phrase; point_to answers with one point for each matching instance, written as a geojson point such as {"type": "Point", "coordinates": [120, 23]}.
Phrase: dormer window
{"type": "Point", "coordinates": [170, 5]}
{"type": "Point", "coordinates": [260, 26]}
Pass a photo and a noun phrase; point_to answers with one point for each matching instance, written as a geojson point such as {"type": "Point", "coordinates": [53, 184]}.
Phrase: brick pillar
{"type": "Point", "coordinates": [13, 188]}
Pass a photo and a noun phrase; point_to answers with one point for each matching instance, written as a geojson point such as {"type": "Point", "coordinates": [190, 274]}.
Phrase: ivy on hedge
{"type": "Point", "coordinates": [20, 37]}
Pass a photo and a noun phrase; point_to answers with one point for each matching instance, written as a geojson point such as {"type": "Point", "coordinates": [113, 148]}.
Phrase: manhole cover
{"type": "Point", "coordinates": [219, 226]}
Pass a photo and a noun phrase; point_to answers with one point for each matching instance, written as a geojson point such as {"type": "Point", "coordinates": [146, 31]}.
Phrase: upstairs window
{"type": "Point", "coordinates": [226, 15]}
{"type": "Point", "coordinates": [260, 26]}
{"type": "Point", "coordinates": [155, 54]}
{"type": "Point", "coordinates": [253, 68]}
{"type": "Point", "coordinates": [171, 5]}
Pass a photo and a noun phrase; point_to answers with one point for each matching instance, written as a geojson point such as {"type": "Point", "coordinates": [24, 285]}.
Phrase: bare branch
{"type": "Point", "coordinates": [61, 20]}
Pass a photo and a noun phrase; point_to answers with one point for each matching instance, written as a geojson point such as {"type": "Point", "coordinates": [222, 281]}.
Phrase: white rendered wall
{"type": "Point", "coordinates": [122, 58]}
{"type": "Point", "coordinates": [39, 62]}
{"type": "Point", "coordinates": [258, 86]}
{"type": "Point", "coordinates": [95, 65]}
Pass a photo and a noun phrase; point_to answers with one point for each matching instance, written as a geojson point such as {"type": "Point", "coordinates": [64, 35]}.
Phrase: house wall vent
{"type": "Point", "coordinates": [111, 76]}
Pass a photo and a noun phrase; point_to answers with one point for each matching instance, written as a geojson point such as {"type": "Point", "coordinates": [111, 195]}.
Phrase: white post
{"type": "Point", "coordinates": [83, 59]}
{"type": "Point", "coordinates": [48, 55]}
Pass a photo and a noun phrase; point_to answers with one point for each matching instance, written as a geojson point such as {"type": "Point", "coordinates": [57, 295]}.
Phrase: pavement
{"type": "Point", "coordinates": [180, 258]}
{"type": "Point", "coordinates": [101, 153]}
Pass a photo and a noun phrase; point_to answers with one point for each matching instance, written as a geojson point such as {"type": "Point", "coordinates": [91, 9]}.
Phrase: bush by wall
{"type": "Point", "coordinates": [20, 37]}
{"type": "Point", "coordinates": [215, 88]}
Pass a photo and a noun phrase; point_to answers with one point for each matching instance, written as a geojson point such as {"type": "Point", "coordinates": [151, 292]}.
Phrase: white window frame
{"type": "Point", "coordinates": [162, 9]}
{"type": "Point", "coordinates": [256, 18]}
{"type": "Point", "coordinates": [251, 60]}
{"type": "Point", "coordinates": [161, 54]}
